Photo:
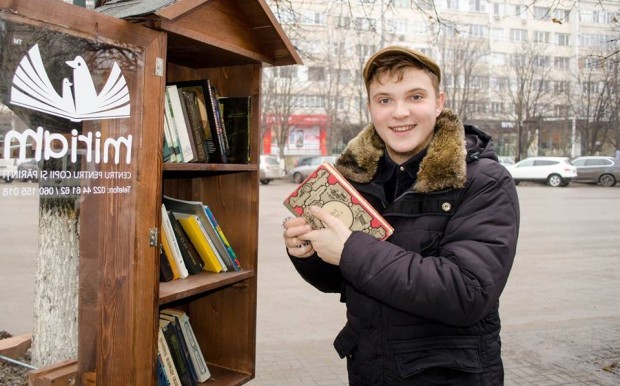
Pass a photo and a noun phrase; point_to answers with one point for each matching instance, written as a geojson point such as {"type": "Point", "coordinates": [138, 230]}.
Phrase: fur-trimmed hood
{"type": "Point", "coordinates": [443, 167]}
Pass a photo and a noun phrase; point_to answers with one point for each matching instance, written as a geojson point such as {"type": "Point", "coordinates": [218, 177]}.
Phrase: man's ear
{"type": "Point", "coordinates": [441, 99]}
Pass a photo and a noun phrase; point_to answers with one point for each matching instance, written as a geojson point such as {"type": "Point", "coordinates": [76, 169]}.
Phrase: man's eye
{"type": "Point", "coordinates": [383, 101]}
{"type": "Point", "coordinates": [416, 97]}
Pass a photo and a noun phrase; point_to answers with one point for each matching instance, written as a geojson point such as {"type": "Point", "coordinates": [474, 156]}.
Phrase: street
{"type": "Point", "coordinates": [560, 313]}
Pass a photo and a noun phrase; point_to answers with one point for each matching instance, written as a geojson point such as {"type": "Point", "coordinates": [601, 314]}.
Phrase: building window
{"type": "Point", "coordinates": [316, 74]}
{"type": "Point", "coordinates": [541, 61]}
{"type": "Point", "coordinates": [562, 39]}
{"type": "Point", "coordinates": [478, 5]}
{"type": "Point", "coordinates": [343, 22]}
{"type": "Point", "coordinates": [541, 37]}
{"type": "Point", "coordinates": [541, 13]}
{"type": "Point", "coordinates": [561, 62]}
{"type": "Point", "coordinates": [452, 4]}
{"type": "Point", "coordinates": [518, 35]}
{"type": "Point", "coordinates": [561, 86]}
{"type": "Point", "coordinates": [562, 15]}
{"type": "Point", "coordinates": [364, 24]}
{"type": "Point", "coordinates": [313, 18]}
{"type": "Point", "coordinates": [364, 50]}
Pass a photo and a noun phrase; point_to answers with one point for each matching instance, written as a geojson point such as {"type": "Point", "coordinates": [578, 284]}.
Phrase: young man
{"type": "Point", "coordinates": [422, 307]}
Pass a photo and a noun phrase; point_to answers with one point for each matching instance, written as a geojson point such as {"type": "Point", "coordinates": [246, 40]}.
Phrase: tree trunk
{"type": "Point", "coordinates": [55, 327]}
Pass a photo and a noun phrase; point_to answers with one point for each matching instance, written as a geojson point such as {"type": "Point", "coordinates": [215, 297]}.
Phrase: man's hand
{"type": "Point", "coordinates": [293, 229]}
{"type": "Point", "coordinates": [329, 241]}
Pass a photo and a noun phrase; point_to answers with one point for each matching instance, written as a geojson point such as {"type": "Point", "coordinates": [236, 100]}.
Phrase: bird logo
{"type": "Point", "coordinates": [79, 99]}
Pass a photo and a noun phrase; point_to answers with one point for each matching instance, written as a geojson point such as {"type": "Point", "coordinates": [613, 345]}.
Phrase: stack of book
{"type": "Point", "coordinates": [192, 241]}
{"type": "Point", "coordinates": [180, 361]}
{"type": "Point", "coordinates": [200, 126]}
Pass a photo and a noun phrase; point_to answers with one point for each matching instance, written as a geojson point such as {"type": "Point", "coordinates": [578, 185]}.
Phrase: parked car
{"type": "Point", "coordinates": [8, 169]}
{"type": "Point", "coordinates": [506, 160]}
{"type": "Point", "coordinates": [554, 171]}
{"type": "Point", "coordinates": [604, 171]}
{"type": "Point", "coordinates": [270, 169]}
{"type": "Point", "coordinates": [28, 170]}
{"type": "Point", "coordinates": [307, 165]}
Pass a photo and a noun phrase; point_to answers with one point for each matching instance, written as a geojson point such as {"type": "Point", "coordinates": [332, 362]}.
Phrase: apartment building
{"type": "Point", "coordinates": [526, 72]}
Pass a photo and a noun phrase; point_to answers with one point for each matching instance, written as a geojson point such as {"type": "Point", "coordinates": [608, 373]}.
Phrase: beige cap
{"type": "Point", "coordinates": [417, 56]}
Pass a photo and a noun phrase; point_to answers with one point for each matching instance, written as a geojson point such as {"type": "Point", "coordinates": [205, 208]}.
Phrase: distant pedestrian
{"type": "Point", "coordinates": [422, 307]}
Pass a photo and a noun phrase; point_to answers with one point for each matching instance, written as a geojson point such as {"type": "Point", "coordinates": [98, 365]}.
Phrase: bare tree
{"type": "Point", "coordinates": [461, 56]}
{"type": "Point", "coordinates": [530, 93]}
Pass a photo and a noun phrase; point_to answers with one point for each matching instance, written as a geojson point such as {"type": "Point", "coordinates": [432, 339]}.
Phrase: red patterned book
{"type": "Point", "coordinates": [327, 188]}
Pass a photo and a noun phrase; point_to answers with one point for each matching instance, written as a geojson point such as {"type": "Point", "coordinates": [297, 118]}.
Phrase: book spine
{"type": "Point", "coordinates": [165, 270]}
{"type": "Point", "coordinates": [200, 241]}
{"type": "Point", "coordinates": [176, 112]}
{"type": "Point", "coordinates": [216, 127]}
{"type": "Point", "coordinates": [195, 123]}
{"type": "Point", "coordinates": [178, 330]}
{"type": "Point", "coordinates": [172, 128]}
{"type": "Point", "coordinates": [166, 356]}
{"type": "Point", "coordinates": [172, 242]}
{"type": "Point", "coordinates": [191, 258]}
{"type": "Point", "coordinates": [178, 357]}
{"type": "Point", "coordinates": [229, 249]}
{"type": "Point", "coordinates": [162, 378]}
{"type": "Point", "coordinates": [168, 254]}
{"type": "Point", "coordinates": [200, 365]}
{"type": "Point", "coordinates": [203, 227]}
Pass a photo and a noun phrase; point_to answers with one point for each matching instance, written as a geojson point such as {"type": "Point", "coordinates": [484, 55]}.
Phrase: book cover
{"type": "Point", "coordinates": [198, 360]}
{"type": "Point", "coordinates": [177, 121]}
{"type": "Point", "coordinates": [176, 352]}
{"type": "Point", "coordinates": [219, 245]}
{"type": "Point", "coordinates": [218, 150]}
{"type": "Point", "coordinates": [190, 102]}
{"type": "Point", "coordinates": [191, 258]}
{"type": "Point", "coordinates": [191, 225]}
{"type": "Point", "coordinates": [174, 322]}
{"type": "Point", "coordinates": [229, 249]}
{"type": "Point", "coordinates": [327, 188]}
{"type": "Point", "coordinates": [171, 239]}
{"type": "Point", "coordinates": [168, 364]}
{"type": "Point", "coordinates": [236, 113]}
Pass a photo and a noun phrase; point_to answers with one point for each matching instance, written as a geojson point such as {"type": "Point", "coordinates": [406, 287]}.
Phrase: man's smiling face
{"type": "Point", "coordinates": [404, 111]}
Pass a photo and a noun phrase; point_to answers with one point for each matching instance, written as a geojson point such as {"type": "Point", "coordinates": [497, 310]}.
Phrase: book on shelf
{"type": "Point", "coordinates": [176, 352]}
{"type": "Point", "coordinates": [198, 360]}
{"type": "Point", "coordinates": [166, 356]}
{"type": "Point", "coordinates": [191, 109]}
{"type": "Point", "coordinates": [176, 120]}
{"type": "Point", "coordinates": [173, 244]}
{"type": "Point", "coordinates": [327, 188]}
{"type": "Point", "coordinates": [220, 233]}
{"type": "Point", "coordinates": [162, 378]}
{"type": "Point", "coordinates": [197, 88]}
{"type": "Point", "coordinates": [171, 141]}
{"type": "Point", "coordinates": [165, 270]}
{"type": "Point", "coordinates": [183, 349]}
{"type": "Point", "coordinates": [191, 258]}
{"type": "Point", "coordinates": [217, 144]}
{"type": "Point", "coordinates": [199, 237]}
{"type": "Point", "coordinates": [198, 208]}
{"type": "Point", "coordinates": [236, 112]}
{"type": "Point", "coordinates": [167, 254]}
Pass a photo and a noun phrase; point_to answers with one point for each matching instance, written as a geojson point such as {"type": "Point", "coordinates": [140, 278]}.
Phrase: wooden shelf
{"type": "Point", "coordinates": [197, 284]}
{"type": "Point", "coordinates": [206, 167]}
{"type": "Point", "coordinates": [223, 376]}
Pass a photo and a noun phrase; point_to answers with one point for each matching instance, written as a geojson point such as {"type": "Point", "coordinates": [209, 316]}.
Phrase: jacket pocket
{"type": "Point", "coordinates": [451, 352]}
{"type": "Point", "coordinates": [346, 342]}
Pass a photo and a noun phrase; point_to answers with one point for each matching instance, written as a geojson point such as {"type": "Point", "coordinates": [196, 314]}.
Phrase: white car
{"type": "Point", "coordinates": [270, 169]}
{"type": "Point", "coordinates": [8, 169]}
{"type": "Point", "coordinates": [554, 171]}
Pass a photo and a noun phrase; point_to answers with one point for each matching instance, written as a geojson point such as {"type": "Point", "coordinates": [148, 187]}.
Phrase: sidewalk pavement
{"type": "Point", "coordinates": [560, 314]}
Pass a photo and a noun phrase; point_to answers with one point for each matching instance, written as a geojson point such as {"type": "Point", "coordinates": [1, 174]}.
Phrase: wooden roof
{"type": "Point", "coordinates": [223, 32]}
